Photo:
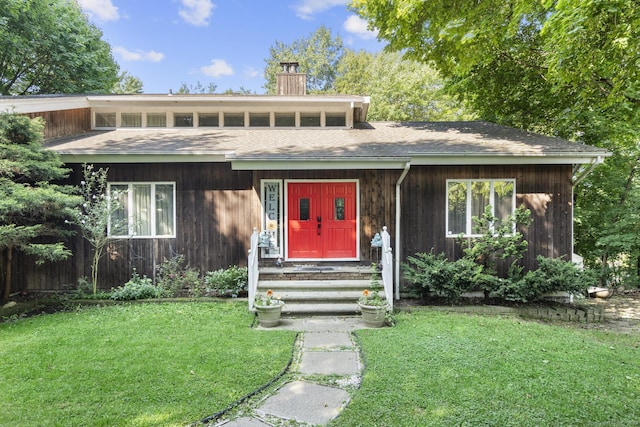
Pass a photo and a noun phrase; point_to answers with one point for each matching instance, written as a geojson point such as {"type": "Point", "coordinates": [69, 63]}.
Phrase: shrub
{"type": "Point", "coordinates": [136, 288]}
{"type": "Point", "coordinates": [231, 280]}
{"type": "Point", "coordinates": [552, 275]}
{"type": "Point", "coordinates": [175, 275]}
{"type": "Point", "coordinates": [437, 276]}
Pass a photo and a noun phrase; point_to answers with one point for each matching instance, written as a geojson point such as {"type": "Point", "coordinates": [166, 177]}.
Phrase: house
{"type": "Point", "coordinates": [202, 171]}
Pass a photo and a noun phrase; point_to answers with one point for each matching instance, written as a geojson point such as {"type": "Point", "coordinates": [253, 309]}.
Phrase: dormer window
{"type": "Point", "coordinates": [183, 120]}
{"type": "Point", "coordinates": [259, 120]}
{"type": "Point", "coordinates": [233, 119]}
{"type": "Point", "coordinates": [309, 119]}
{"type": "Point", "coordinates": [285, 120]}
{"type": "Point", "coordinates": [131, 120]}
{"type": "Point", "coordinates": [156, 120]}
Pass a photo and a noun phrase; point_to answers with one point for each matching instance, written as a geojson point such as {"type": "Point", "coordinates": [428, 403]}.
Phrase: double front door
{"type": "Point", "coordinates": [322, 220]}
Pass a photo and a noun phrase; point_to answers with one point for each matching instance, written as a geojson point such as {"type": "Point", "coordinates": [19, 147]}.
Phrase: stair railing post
{"type": "Point", "coordinates": [387, 265]}
{"type": "Point", "coordinates": [252, 267]}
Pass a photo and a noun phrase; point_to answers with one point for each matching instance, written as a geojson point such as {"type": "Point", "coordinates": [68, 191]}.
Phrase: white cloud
{"type": "Point", "coordinates": [197, 12]}
{"type": "Point", "coordinates": [138, 55]}
{"type": "Point", "coordinates": [358, 27]}
{"type": "Point", "coordinates": [218, 67]}
{"type": "Point", "coordinates": [103, 10]}
{"type": "Point", "coordinates": [251, 72]}
{"type": "Point", "coordinates": [305, 9]}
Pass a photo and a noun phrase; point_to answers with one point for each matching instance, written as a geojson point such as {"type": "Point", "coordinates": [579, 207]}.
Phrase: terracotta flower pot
{"type": "Point", "coordinates": [373, 315]}
{"type": "Point", "coordinates": [269, 315]}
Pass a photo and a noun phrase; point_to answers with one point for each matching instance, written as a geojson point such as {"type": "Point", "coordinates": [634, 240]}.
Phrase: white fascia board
{"type": "Point", "coordinates": [39, 104]}
{"type": "Point", "coordinates": [87, 157]}
{"type": "Point", "coordinates": [317, 164]}
{"type": "Point", "coordinates": [506, 159]}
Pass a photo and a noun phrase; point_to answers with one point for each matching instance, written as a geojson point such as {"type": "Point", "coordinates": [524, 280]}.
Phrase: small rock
{"type": "Point", "coordinates": [10, 304]}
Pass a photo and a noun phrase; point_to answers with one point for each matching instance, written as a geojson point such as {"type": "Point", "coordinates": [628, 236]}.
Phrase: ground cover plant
{"type": "Point", "coordinates": [442, 369]}
{"type": "Point", "coordinates": [134, 364]}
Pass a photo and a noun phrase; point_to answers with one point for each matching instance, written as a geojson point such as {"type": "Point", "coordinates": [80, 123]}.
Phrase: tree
{"type": "Point", "coordinates": [318, 56]}
{"type": "Point", "coordinates": [198, 88]}
{"type": "Point", "coordinates": [49, 46]}
{"type": "Point", "coordinates": [33, 209]}
{"type": "Point", "coordinates": [96, 215]}
{"type": "Point", "coordinates": [565, 68]}
{"type": "Point", "coordinates": [400, 89]}
{"type": "Point", "coordinates": [127, 84]}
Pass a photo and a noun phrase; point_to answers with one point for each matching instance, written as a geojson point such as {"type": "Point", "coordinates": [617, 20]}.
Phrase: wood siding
{"type": "Point", "coordinates": [217, 208]}
{"type": "Point", "coordinates": [65, 122]}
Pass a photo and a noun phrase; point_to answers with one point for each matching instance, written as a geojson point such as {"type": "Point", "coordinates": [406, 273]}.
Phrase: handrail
{"type": "Point", "coordinates": [252, 267]}
{"type": "Point", "coordinates": [387, 266]}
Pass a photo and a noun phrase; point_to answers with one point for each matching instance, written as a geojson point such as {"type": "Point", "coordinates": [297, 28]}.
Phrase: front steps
{"type": "Point", "coordinates": [317, 290]}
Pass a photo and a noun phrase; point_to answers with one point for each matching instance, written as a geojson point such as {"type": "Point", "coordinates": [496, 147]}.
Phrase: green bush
{"type": "Point", "coordinates": [231, 280]}
{"type": "Point", "coordinates": [436, 276]}
{"type": "Point", "coordinates": [136, 288]}
{"type": "Point", "coordinates": [174, 276]}
{"type": "Point", "coordinates": [552, 275]}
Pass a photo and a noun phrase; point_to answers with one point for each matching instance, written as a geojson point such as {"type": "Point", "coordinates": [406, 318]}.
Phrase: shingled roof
{"type": "Point", "coordinates": [386, 144]}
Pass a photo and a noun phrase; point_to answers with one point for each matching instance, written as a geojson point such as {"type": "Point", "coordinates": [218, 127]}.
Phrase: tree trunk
{"type": "Point", "coordinates": [7, 274]}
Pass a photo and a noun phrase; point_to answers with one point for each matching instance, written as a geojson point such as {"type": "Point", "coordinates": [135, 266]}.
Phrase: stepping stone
{"type": "Point", "coordinates": [326, 340]}
{"type": "Point", "coordinates": [329, 363]}
{"type": "Point", "coordinates": [306, 402]}
{"type": "Point", "coordinates": [246, 422]}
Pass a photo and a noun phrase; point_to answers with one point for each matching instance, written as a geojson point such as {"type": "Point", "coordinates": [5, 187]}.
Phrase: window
{"type": "Point", "coordinates": [105, 120]}
{"type": "Point", "coordinates": [333, 119]}
{"type": "Point", "coordinates": [310, 119]}
{"type": "Point", "coordinates": [259, 120]}
{"type": "Point", "coordinates": [285, 119]}
{"type": "Point", "coordinates": [146, 210]}
{"type": "Point", "coordinates": [131, 120]}
{"type": "Point", "coordinates": [234, 119]}
{"type": "Point", "coordinates": [208, 120]}
{"type": "Point", "coordinates": [183, 120]}
{"type": "Point", "coordinates": [469, 198]}
{"type": "Point", "coordinates": [156, 120]}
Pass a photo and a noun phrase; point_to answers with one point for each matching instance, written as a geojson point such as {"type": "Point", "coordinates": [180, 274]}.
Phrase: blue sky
{"type": "Point", "coordinates": [167, 42]}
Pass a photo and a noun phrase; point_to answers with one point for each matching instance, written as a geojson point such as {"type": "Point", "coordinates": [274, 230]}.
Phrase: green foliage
{"type": "Point", "coordinates": [400, 89]}
{"type": "Point", "coordinates": [499, 239]}
{"type": "Point", "coordinates": [95, 215]}
{"type": "Point", "coordinates": [127, 84]}
{"type": "Point", "coordinates": [33, 211]}
{"type": "Point", "coordinates": [51, 47]}
{"type": "Point", "coordinates": [233, 279]}
{"type": "Point", "coordinates": [136, 288]}
{"type": "Point", "coordinates": [174, 276]}
{"type": "Point", "coordinates": [318, 56]}
{"type": "Point", "coordinates": [436, 276]}
{"type": "Point", "coordinates": [566, 69]}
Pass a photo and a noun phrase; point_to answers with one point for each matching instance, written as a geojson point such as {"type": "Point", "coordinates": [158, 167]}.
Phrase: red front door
{"type": "Point", "coordinates": [322, 220]}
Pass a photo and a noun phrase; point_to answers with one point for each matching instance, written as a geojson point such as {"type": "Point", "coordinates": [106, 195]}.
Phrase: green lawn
{"type": "Point", "coordinates": [438, 369]}
{"type": "Point", "coordinates": [134, 365]}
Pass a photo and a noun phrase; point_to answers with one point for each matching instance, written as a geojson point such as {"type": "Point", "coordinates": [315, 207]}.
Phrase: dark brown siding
{"type": "Point", "coordinates": [545, 190]}
{"type": "Point", "coordinates": [65, 122]}
{"type": "Point", "coordinates": [217, 208]}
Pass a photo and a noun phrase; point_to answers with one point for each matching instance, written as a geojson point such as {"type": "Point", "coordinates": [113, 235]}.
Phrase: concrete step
{"type": "Point", "coordinates": [313, 285]}
{"type": "Point", "coordinates": [301, 309]}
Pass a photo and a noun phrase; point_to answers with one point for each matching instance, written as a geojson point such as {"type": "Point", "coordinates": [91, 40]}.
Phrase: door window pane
{"type": "Point", "coordinates": [304, 209]}
{"type": "Point", "coordinates": [338, 207]}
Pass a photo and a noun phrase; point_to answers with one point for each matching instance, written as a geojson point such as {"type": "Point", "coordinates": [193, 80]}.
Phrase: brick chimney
{"type": "Point", "coordinates": [290, 81]}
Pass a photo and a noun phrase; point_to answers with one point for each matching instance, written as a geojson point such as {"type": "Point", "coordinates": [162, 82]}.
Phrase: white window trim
{"type": "Point", "coordinates": [469, 221]}
{"type": "Point", "coordinates": [130, 220]}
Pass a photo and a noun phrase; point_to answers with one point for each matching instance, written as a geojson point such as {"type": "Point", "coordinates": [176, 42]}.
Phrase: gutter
{"type": "Point", "coordinates": [578, 178]}
{"type": "Point", "coordinates": [398, 213]}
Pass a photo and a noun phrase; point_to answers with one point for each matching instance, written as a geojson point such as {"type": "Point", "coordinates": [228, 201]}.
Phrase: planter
{"type": "Point", "coordinates": [373, 315]}
{"type": "Point", "coordinates": [269, 315]}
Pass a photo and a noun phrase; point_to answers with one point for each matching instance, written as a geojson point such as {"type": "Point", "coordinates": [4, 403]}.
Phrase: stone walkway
{"type": "Point", "coordinates": [326, 365]}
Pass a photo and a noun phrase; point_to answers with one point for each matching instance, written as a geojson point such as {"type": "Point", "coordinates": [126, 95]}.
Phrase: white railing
{"type": "Point", "coordinates": [252, 266]}
{"type": "Point", "coordinates": [387, 265]}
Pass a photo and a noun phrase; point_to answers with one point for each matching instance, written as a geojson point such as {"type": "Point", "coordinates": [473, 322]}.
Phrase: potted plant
{"type": "Point", "coordinates": [373, 306]}
{"type": "Point", "coordinates": [269, 308]}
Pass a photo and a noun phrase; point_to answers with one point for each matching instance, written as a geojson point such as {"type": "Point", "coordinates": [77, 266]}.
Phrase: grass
{"type": "Point", "coordinates": [442, 369]}
{"type": "Point", "coordinates": [134, 364]}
